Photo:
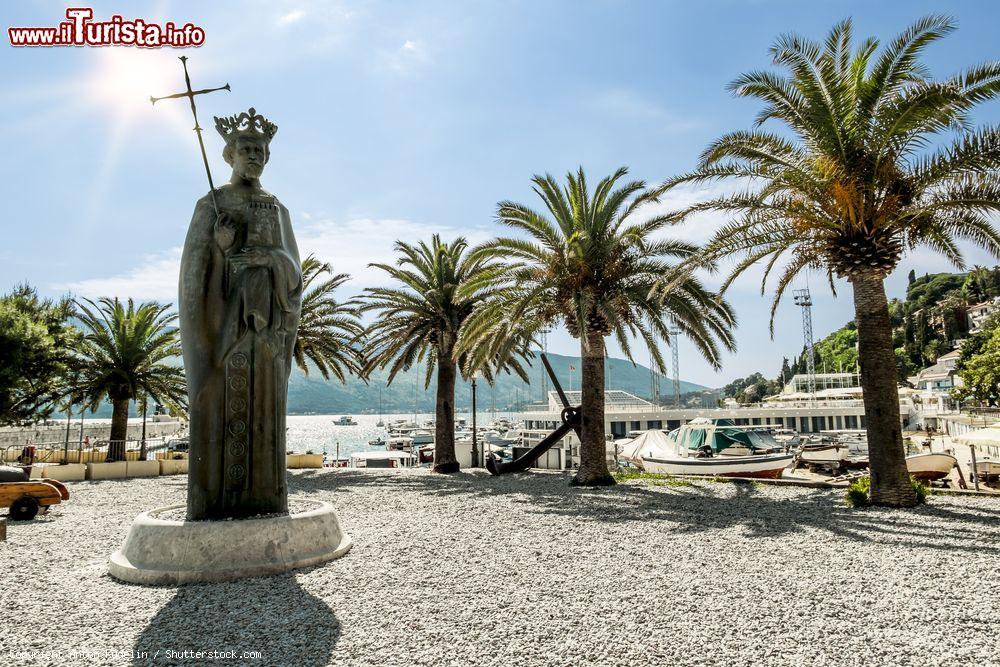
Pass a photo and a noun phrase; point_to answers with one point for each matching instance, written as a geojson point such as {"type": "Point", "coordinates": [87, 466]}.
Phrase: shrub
{"type": "Point", "coordinates": [649, 477]}
{"type": "Point", "coordinates": [859, 492]}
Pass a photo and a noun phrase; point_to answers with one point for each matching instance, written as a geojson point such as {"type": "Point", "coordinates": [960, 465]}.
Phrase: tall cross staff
{"type": "Point", "coordinates": [197, 128]}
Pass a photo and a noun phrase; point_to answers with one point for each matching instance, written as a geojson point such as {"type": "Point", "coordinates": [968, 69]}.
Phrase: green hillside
{"type": "Point", "coordinates": [313, 395]}
{"type": "Point", "coordinates": [926, 322]}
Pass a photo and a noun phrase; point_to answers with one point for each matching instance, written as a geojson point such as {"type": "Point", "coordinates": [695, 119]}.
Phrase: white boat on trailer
{"type": "Point", "coordinates": [986, 467]}
{"type": "Point", "coordinates": [930, 467]}
{"type": "Point", "coordinates": [768, 466]}
{"type": "Point", "coordinates": [833, 453]}
{"type": "Point", "coordinates": [719, 448]}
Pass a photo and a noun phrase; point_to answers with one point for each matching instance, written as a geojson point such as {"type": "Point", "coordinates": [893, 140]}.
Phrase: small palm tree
{"type": "Point", "coordinates": [593, 268]}
{"type": "Point", "coordinates": [979, 282]}
{"type": "Point", "coordinates": [851, 185]}
{"type": "Point", "coordinates": [419, 322]}
{"type": "Point", "coordinates": [127, 351]}
{"type": "Point", "coordinates": [329, 330]}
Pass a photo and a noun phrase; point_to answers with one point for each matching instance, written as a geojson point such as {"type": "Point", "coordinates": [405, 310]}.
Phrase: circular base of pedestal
{"type": "Point", "coordinates": [168, 551]}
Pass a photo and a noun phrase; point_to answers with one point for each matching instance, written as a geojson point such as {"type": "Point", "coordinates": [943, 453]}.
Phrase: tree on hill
{"type": "Point", "coordinates": [974, 344]}
{"type": "Point", "coordinates": [979, 368]}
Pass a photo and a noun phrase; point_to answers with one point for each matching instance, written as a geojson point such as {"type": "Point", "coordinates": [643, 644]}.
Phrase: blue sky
{"type": "Point", "coordinates": [398, 120]}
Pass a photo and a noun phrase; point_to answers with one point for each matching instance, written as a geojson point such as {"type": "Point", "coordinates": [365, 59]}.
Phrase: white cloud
{"type": "Point", "coordinates": [153, 279]}
{"type": "Point", "coordinates": [349, 246]}
{"type": "Point", "coordinates": [407, 56]}
{"type": "Point", "coordinates": [291, 17]}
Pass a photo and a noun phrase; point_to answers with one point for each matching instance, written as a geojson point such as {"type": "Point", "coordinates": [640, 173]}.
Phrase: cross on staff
{"type": "Point", "coordinates": [189, 93]}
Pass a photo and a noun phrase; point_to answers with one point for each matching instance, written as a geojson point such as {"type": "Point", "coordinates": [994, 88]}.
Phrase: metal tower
{"type": "Point", "coordinates": [654, 378]}
{"type": "Point", "coordinates": [675, 360]}
{"type": "Point", "coordinates": [804, 301]}
{"type": "Point", "coordinates": [545, 349]}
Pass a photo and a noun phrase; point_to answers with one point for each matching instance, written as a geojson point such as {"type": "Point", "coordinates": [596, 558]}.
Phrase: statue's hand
{"type": "Point", "coordinates": [225, 230]}
{"type": "Point", "coordinates": [252, 257]}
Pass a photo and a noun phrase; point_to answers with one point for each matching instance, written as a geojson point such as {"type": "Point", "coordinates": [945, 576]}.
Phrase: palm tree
{"type": "Point", "coordinates": [850, 185]}
{"type": "Point", "coordinates": [127, 351]}
{"type": "Point", "coordinates": [979, 282]}
{"type": "Point", "coordinates": [329, 330]}
{"type": "Point", "coordinates": [420, 321]}
{"type": "Point", "coordinates": [592, 268]}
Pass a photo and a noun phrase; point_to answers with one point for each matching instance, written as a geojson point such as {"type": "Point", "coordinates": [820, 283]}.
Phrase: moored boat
{"type": "Point", "coordinates": [653, 443]}
{"type": "Point", "coordinates": [987, 467]}
{"type": "Point", "coordinates": [930, 467]}
{"type": "Point", "coordinates": [399, 443]}
{"type": "Point", "coordinates": [718, 448]}
{"type": "Point", "coordinates": [422, 437]}
{"type": "Point", "coordinates": [386, 459]}
{"type": "Point", "coordinates": [767, 466]}
{"type": "Point", "coordinates": [824, 454]}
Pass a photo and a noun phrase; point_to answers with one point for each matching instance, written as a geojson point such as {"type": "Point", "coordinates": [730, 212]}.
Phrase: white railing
{"type": "Point", "coordinates": [770, 405]}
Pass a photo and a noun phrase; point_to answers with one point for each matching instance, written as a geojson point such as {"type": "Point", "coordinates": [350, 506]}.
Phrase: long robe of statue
{"type": "Point", "coordinates": [240, 300]}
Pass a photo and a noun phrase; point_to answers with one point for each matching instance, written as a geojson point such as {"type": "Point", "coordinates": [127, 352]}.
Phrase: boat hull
{"type": "Point", "coordinates": [929, 467]}
{"type": "Point", "coordinates": [987, 467]}
{"type": "Point", "coordinates": [768, 466]}
{"type": "Point", "coordinates": [824, 455]}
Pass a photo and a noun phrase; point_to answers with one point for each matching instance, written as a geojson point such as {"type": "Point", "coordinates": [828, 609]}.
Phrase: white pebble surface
{"type": "Point", "coordinates": [523, 570]}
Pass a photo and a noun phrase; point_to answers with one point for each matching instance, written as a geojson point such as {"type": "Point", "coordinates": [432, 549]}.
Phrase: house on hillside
{"type": "Point", "coordinates": [941, 377]}
{"type": "Point", "coordinates": [932, 390]}
{"type": "Point", "coordinates": [980, 312]}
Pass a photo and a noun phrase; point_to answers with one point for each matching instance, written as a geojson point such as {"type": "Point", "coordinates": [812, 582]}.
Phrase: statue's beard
{"type": "Point", "coordinates": [252, 170]}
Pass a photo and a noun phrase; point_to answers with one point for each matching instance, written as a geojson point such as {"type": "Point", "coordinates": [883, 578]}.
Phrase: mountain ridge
{"type": "Point", "coordinates": [313, 394]}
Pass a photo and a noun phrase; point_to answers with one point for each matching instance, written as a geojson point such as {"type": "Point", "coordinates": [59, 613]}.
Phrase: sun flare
{"type": "Point", "coordinates": [125, 79]}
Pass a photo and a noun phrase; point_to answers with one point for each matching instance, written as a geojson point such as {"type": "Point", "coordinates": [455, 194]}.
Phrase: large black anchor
{"type": "Point", "coordinates": [570, 422]}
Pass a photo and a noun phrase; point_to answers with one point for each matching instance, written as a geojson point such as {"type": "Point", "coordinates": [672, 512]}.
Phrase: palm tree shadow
{"type": "Point", "coordinates": [701, 507]}
{"type": "Point", "coordinates": [271, 616]}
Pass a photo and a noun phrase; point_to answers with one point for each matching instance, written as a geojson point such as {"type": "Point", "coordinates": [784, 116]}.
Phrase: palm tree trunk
{"type": "Point", "coordinates": [890, 482]}
{"type": "Point", "coordinates": [444, 417]}
{"type": "Point", "coordinates": [119, 429]}
{"type": "Point", "coordinates": [593, 457]}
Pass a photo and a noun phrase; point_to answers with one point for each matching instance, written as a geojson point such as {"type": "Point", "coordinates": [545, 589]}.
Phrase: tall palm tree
{"type": "Point", "coordinates": [592, 266]}
{"type": "Point", "coordinates": [127, 351]}
{"type": "Point", "coordinates": [851, 183]}
{"type": "Point", "coordinates": [419, 322]}
{"type": "Point", "coordinates": [329, 330]}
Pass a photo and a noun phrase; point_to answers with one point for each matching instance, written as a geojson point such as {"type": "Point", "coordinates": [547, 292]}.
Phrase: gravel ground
{"type": "Point", "coordinates": [523, 570]}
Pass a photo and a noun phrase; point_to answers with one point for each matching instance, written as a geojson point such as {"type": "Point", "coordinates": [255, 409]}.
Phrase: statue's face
{"type": "Point", "coordinates": [249, 158]}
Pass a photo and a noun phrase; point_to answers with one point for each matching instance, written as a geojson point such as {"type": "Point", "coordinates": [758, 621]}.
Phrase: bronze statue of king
{"type": "Point", "coordinates": [240, 299]}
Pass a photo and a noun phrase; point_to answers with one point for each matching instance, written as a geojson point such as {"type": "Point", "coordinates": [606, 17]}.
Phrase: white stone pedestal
{"type": "Point", "coordinates": [168, 551]}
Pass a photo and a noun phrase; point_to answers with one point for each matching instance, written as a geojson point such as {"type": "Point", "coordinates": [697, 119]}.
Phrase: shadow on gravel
{"type": "Point", "coordinates": [272, 617]}
{"type": "Point", "coordinates": [701, 507]}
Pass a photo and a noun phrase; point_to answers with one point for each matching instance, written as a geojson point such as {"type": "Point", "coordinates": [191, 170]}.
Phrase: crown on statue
{"type": "Point", "coordinates": [246, 124]}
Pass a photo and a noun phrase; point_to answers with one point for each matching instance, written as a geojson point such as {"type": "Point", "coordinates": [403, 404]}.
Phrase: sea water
{"type": "Point", "coordinates": [318, 433]}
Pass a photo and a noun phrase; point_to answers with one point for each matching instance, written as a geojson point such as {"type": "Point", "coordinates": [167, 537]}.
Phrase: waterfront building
{"type": "Point", "coordinates": [837, 404]}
